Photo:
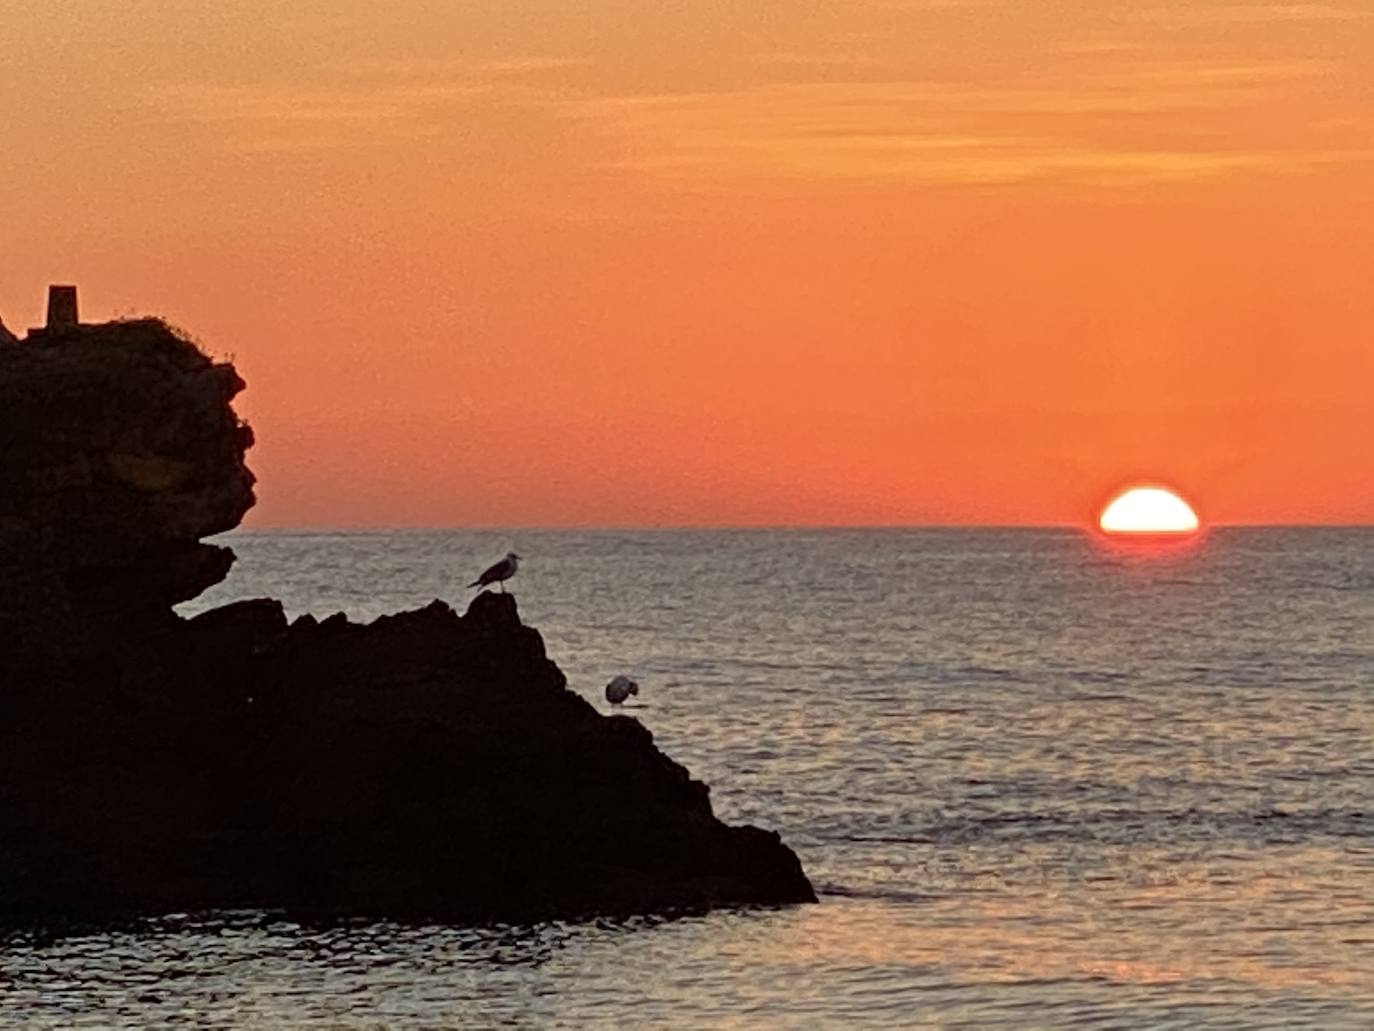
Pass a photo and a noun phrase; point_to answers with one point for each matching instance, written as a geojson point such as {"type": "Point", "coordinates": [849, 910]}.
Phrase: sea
{"type": "Point", "coordinates": [1039, 780]}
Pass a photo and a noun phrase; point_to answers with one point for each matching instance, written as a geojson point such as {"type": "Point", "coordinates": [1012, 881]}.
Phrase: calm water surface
{"type": "Point", "coordinates": [1036, 783]}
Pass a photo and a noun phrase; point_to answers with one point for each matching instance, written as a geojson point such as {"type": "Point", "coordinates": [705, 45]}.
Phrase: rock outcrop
{"type": "Point", "coordinates": [119, 451]}
{"type": "Point", "coordinates": [425, 765]}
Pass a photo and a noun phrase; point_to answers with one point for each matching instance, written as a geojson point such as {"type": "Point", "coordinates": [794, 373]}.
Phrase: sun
{"type": "Point", "coordinates": [1148, 510]}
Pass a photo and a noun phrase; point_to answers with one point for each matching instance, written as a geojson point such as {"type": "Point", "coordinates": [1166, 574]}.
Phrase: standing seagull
{"type": "Point", "coordinates": [499, 573]}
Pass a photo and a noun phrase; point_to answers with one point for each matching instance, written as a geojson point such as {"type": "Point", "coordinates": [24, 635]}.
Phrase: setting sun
{"type": "Point", "coordinates": [1148, 510]}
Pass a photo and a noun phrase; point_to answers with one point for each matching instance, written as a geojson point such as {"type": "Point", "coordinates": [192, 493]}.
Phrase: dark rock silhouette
{"type": "Point", "coordinates": [118, 452]}
{"type": "Point", "coordinates": [425, 765]}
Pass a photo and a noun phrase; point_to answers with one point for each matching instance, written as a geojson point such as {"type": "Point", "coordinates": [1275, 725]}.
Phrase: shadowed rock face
{"type": "Point", "coordinates": [425, 765]}
{"type": "Point", "coordinates": [119, 451]}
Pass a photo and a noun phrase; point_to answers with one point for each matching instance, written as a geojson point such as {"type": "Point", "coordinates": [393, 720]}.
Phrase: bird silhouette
{"type": "Point", "coordinates": [620, 688]}
{"type": "Point", "coordinates": [499, 573]}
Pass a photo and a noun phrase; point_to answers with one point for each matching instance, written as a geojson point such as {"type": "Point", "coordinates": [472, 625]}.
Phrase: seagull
{"type": "Point", "coordinates": [499, 573]}
{"type": "Point", "coordinates": [620, 688]}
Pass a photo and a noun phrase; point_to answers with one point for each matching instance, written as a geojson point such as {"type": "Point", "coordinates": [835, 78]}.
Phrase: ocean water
{"type": "Point", "coordinates": [1036, 781]}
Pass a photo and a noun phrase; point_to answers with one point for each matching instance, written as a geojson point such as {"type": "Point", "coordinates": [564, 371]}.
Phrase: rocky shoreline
{"type": "Point", "coordinates": [426, 765]}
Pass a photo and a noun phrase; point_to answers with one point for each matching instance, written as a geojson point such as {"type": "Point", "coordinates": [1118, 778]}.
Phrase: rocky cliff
{"type": "Point", "coordinates": [428, 764]}
{"type": "Point", "coordinates": [119, 451]}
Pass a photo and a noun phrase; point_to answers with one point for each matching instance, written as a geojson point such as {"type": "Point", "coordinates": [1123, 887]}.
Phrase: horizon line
{"type": "Point", "coordinates": [758, 527]}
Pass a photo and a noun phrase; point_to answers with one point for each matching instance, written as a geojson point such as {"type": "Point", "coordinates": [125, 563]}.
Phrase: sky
{"type": "Point", "coordinates": [704, 262]}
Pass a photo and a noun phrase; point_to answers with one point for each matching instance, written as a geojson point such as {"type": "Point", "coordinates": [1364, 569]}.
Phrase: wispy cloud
{"type": "Point", "coordinates": [936, 6]}
{"type": "Point", "coordinates": [1195, 15]}
{"type": "Point", "coordinates": [266, 119]}
{"type": "Point", "coordinates": [1108, 117]}
{"type": "Point", "coordinates": [963, 132]}
{"type": "Point", "coordinates": [470, 68]}
{"type": "Point", "coordinates": [820, 60]}
{"type": "Point", "coordinates": [402, 102]}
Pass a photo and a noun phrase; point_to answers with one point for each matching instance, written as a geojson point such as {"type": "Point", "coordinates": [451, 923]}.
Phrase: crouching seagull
{"type": "Point", "coordinates": [620, 688]}
{"type": "Point", "coordinates": [499, 573]}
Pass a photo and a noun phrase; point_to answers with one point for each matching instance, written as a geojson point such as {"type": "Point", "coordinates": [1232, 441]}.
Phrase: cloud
{"type": "Point", "coordinates": [404, 102]}
{"type": "Point", "coordinates": [468, 68]}
{"type": "Point", "coordinates": [250, 119]}
{"type": "Point", "coordinates": [527, 65]}
{"type": "Point", "coordinates": [1106, 117]}
{"type": "Point", "coordinates": [820, 60]}
{"type": "Point", "coordinates": [1133, 123]}
{"type": "Point", "coordinates": [1193, 16]}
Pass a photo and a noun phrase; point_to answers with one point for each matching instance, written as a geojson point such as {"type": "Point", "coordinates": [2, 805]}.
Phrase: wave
{"type": "Point", "coordinates": [1269, 825]}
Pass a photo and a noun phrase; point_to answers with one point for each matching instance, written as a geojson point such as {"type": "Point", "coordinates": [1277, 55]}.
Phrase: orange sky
{"type": "Point", "coordinates": [533, 262]}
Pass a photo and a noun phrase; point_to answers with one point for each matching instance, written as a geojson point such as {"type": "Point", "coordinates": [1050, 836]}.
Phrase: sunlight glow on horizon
{"type": "Point", "coordinates": [1148, 510]}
